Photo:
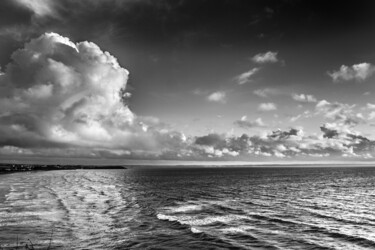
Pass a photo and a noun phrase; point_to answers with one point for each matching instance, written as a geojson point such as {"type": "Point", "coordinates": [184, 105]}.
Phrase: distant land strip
{"type": "Point", "coordinates": [10, 168]}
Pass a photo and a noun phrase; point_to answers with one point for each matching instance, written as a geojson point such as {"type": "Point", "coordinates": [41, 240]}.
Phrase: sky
{"type": "Point", "coordinates": [188, 80]}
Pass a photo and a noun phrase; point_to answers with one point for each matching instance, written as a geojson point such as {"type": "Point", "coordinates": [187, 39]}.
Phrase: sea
{"type": "Point", "coordinates": [189, 208]}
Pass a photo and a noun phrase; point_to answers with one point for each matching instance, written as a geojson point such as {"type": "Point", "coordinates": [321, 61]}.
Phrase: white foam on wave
{"type": "Point", "coordinates": [198, 205]}
{"type": "Point", "coordinates": [185, 208]}
{"type": "Point", "coordinates": [200, 221]}
{"type": "Point", "coordinates": [236, 230]}
{"type": "Point", "coordinates": [195, 230]}
{"type": "Point", "coordinates": [166, 217]}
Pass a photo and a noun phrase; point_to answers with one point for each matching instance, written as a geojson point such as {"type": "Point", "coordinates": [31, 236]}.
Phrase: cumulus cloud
{"type": "Point", "coordinates": [245, 123]}
{"type": "Point", "coordinates": [268, 57]}
{"type": "Point", "coordinates": [286, 144]}
{"type": "Point", "coordinates": [340, 113]}
{"type": "Point", "coordinates": [357, 72]}
{"type": "Point", "coordinates": [331, 142]}
{"type": "Point", "coordinates": [303, 98]}
{"type": "Point", "coordinates": [218, 96]}
{"type": "Point", "coordinates": [65, 91]}
{"type": "Point", "coordinates": [214, 145]}
{"type": "Point", "coordinates": [59, 94]}
{"type": "Point", "coordinates": [269, 106]}
{"type": "Point", "coordinates": [349, 142]}
{"type": "Point", "coordinates": [246, 76]}
{"type": "Point", "coordinates": [266, 92]}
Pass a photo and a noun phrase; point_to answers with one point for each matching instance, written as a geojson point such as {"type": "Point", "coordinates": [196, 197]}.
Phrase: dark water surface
{"type": "Point", "coordinates": [200, 208]}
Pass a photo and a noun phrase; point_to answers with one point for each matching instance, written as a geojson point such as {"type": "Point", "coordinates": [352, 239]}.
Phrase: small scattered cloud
{"type": "Point", "coordinates": [358, 72]}
{"type": "Point", "coordinates": [245, 123]}
{"type": "Point", "coordinates": [266, 92]}
{"type": "Point", "coordinates": [342, 114]}
{"type": "Point", "coordinates": [199, 92]}
{"type": "Point", "coordinates": [370, 106]}
{"type": "Point", "coordinates": [246, 76]}
{"type": "Point", "coordinates": [371, 116]}
{"type": "Point", "coordinates": [295, 118]}
{"type": "Point", "coordinates": [304, 98]}
{"type": "Point", "coordinates": [268, 57]}
{"type": "Point", "coordinates": [305, 114]}
{"type": "Point", "coordinates": [218, 96]}
{"type": "Point", "coordinates": [269, 106]}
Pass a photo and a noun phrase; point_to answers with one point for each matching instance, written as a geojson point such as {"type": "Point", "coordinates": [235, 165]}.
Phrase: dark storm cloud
{"type": "Point", "coordinates": [11, 13]}
{"type": "Point", "coordinates": [169, 24]}
{"type": "Point", "coordinates": [181, 21]}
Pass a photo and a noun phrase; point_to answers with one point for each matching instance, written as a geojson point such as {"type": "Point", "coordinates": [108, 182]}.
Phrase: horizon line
{"type": "Point", "coordinates": [101, 162]}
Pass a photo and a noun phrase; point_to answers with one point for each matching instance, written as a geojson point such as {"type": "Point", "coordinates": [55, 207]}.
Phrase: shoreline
{"type": "Point", "coordinates": [13, 168]}
{"type": "Point", "coordinates": [6, 168]}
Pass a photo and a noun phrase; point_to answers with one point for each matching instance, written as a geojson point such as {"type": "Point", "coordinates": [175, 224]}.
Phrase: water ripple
{"type": "Point", "coordinates": [222, 208]}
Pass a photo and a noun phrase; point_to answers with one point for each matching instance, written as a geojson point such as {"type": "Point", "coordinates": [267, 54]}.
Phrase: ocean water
{"type": "Point", "coordinates": [190, 208]}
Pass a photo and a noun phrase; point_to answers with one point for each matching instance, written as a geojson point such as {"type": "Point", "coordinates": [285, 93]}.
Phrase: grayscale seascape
{"type": "Point", "coordinates": [191, 208]}
{"type": "Point", "coordinates": [187, 124]}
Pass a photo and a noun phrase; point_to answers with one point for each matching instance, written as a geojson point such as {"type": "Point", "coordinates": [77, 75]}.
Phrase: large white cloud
{"type": "Point", "coordinates": [60, 94]}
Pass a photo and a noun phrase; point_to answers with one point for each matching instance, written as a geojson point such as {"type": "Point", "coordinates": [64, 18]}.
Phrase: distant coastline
{"type": "Point", "coordinates": [11, 168]}
{"type": "Point", "coordinates": [25, 167]}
